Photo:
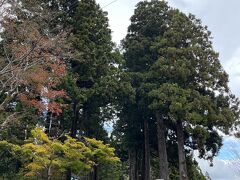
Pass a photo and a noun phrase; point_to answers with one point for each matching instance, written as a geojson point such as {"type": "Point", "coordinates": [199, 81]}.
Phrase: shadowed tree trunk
{"type": "Point", "coordinates": [73, 132]}
{"type": "Point", "coordinates": [133, 164]}
{"type": "Point", "coordinates": [181, 152]}
{"type": "Point", "coordinates": [162, 150]}
{"type": "Point", "coordinates": [146, 152]}
{"type": "Point", "coordinates": [96, 172]}
{"type": "Point", "coordinates": [69, 175]}
{"type": "Point", "coordinates": [74, 120]}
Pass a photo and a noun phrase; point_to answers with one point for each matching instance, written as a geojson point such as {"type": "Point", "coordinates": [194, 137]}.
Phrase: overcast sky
{"type": "Point", "coordinates": [222, 18]}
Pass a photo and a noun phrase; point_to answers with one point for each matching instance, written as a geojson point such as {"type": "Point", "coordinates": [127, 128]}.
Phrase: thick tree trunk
{"type": "Point", "coordinates": [69, 175]}
{"type": "Point", "coordinates": [146, 152]}
{"type": "Point", "coordinates": [162, 150]}
{"type": "Point", "coordinates": [96, 172]}
{"type": "Point", "coordinates": [85, 120]}
{"type": "Point", "coordinates": [73, 132]}
{"type": "Point", "coordinates": [74, 120]}
{"type": "Point", "coordinates": [181, 152]}
{"type": "Point", "coordinates": [133, 165]}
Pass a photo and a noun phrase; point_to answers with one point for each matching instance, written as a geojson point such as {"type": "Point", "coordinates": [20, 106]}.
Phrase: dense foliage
{"type": "Point", "coordinates": [164, 94]}
{"type": "Point", "coordinates": [45, 158]}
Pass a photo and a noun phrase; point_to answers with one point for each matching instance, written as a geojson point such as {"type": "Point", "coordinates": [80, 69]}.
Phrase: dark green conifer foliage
{"type": "Point", "coordinates": [92, 80]}
{"type": "Point", "coordinates": [192, 86]}
{"type": "Point", "coordinates": [181, 73]}
{"type": "Point", "coordinates": [93, 69]}
{"type": "Point", "coordinates": [146, 26]}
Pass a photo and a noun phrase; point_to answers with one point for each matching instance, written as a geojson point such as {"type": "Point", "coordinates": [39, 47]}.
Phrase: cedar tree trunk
{"type": "Point", "coordinates": [146, 152]}
{"type": "Point", "coordinates": [133, 165]}
{"type": "Point", "coordinates": [181, 153]}
{"type": "Point", "coordinates": [162, 150]}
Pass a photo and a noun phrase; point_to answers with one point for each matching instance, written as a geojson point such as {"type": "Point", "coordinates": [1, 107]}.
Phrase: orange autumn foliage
{"type": "Point", "coordinates": [38, 65]}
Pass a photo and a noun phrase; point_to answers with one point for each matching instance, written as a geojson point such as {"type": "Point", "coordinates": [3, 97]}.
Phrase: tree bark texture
{"type": "Point", "coordinates": [133, 164]}
{"type": "Point", "coordinates": [69, 175]}
{"type": "Point", "coordinates": [181, 152]}
{"type": "Point", "coordinates": [74, 120]}
{"type": "Point", "coordinates": [96, 172]}
{"type": "Point", "coordinates": [162, 150]}
{"type": "Point", "coordinates": [146, 152]}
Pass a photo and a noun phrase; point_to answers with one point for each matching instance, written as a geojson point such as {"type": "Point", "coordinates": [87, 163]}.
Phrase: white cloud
{"type": "Point", "coordinates": [227, 165]}
{"type": "Point", "coordinates": [232, 67]}
{"type": "Point", "coordinates": [220, 16]}
{"type": "Point", "coordinates": [221, 170]}
{"type": "Point", "coordinates": [189, 5]}
{"type": "Point", "coordinates": [119, 13]}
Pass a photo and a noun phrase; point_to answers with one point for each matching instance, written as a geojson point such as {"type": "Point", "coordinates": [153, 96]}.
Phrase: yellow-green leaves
{"type": "Point", "coordinates": [53, 156]}
{"type": "Point", "coordinates": [102, 153]}
{"type": "Point", "coordinates": [46, 158]}
{"type": "Point", "coordinates": [40, 136]}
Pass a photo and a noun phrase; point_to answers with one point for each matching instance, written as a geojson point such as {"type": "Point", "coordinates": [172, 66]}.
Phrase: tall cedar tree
{"type": "Point", "coordinates": [191, 87]}
{"type": "Point", "coordinates": [92, 80]}
{"type": "Point", "coordinates": [146, 26]}
{"type": "Point", "coordinates": [183, 78]}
